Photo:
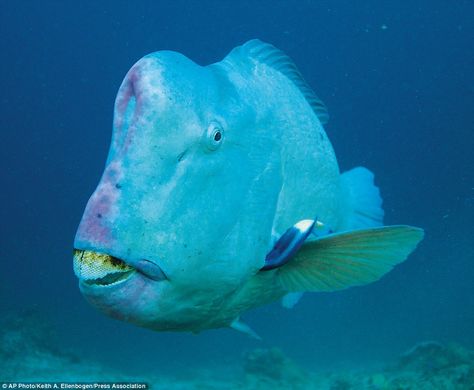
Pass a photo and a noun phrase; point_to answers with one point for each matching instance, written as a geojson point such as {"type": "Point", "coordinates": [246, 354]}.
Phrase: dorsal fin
{"type": "Point", "coordinates": [276, 59]}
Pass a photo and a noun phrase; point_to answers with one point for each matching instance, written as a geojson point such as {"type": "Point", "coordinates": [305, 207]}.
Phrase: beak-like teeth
{"type": "Point", "coordinates": [89, 265]}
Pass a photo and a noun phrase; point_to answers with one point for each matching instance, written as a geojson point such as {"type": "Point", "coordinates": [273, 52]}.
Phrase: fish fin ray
{"type": "Point", "coordinates": [347, 259]}
{"type": "Point", "coordinates": [278, 60]}
{"type": "Point", "coordinates": [364, 200]}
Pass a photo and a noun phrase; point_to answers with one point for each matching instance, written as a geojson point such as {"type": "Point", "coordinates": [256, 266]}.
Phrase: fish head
{"type": "Point", "coordinates": [183, 213]}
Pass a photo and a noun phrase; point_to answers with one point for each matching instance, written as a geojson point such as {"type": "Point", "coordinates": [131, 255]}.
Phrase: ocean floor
{"type": "Point", "coordinates": [27, 354]}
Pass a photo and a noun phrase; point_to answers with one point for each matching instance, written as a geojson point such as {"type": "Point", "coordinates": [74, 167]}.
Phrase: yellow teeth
{"type": "Point", "coordinates": [94, 265]}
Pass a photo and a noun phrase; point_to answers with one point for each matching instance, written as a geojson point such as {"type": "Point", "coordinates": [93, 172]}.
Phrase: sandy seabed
{"type": "Point", "coordinates": [27, 355]}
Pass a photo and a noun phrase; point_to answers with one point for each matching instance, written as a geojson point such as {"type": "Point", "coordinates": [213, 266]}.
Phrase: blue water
{"type": "Point", "coordinates": [398, 82]}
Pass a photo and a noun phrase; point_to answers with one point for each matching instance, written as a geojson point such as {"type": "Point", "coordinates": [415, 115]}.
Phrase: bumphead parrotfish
{"type": "Point", "coordinates": [221, 193]}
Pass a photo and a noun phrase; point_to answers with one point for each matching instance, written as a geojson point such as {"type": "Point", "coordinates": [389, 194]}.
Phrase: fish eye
{"type": "Point", "coordinates": [214, 136]}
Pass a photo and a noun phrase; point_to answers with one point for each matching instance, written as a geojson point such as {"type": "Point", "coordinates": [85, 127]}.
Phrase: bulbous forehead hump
{"type": "Point", "coordinates": [169, 73]}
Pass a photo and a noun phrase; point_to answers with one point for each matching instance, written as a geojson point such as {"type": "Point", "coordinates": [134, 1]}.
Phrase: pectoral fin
{"type": "Point", "coordinates": [347, 259]}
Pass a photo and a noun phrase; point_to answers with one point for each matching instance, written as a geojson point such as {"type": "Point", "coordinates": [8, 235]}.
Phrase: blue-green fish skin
{"type": "Point", "coordinates": [207, 167]}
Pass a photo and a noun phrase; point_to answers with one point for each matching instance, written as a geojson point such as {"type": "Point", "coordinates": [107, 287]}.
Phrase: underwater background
{"type": "Point", "coordinates": [398, 81]}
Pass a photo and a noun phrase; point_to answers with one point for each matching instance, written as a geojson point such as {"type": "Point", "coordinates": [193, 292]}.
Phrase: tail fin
{"type": "Point", "coordinates": [363, 199]}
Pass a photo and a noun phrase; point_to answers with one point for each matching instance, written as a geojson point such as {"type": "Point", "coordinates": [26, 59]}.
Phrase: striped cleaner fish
{"type": "Point", "coordinates": [221, 193]}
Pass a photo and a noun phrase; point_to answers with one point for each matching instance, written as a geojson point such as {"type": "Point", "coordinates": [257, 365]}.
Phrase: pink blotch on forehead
{"type": "Point", "coordinates": [93, 231]}
{"type": "Point", "coordinates": [102, 209]}
{"type": "Point", "coordinates": [132, 86]}
{"type": "Point", "coordinates": [121, 102]}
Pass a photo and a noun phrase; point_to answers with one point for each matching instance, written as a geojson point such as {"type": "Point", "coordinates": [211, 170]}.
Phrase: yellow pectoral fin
{"type": "Point", "coordinates": [353, 258]}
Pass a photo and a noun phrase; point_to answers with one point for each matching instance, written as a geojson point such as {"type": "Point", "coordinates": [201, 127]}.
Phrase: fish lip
{"type": "Point", "coordinates": [112, 281]}
{"type": "Point", "coordinates": [88, 287]}
{"type": "Point", "coordinates": [112, 270]}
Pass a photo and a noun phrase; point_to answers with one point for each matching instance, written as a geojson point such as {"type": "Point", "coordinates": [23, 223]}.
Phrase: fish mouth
{"type": "Point", "coordinates": [100, 269]}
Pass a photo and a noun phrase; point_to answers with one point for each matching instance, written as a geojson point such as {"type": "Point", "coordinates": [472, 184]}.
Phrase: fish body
{"type": "Point", "coordinates": [208, 167]}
